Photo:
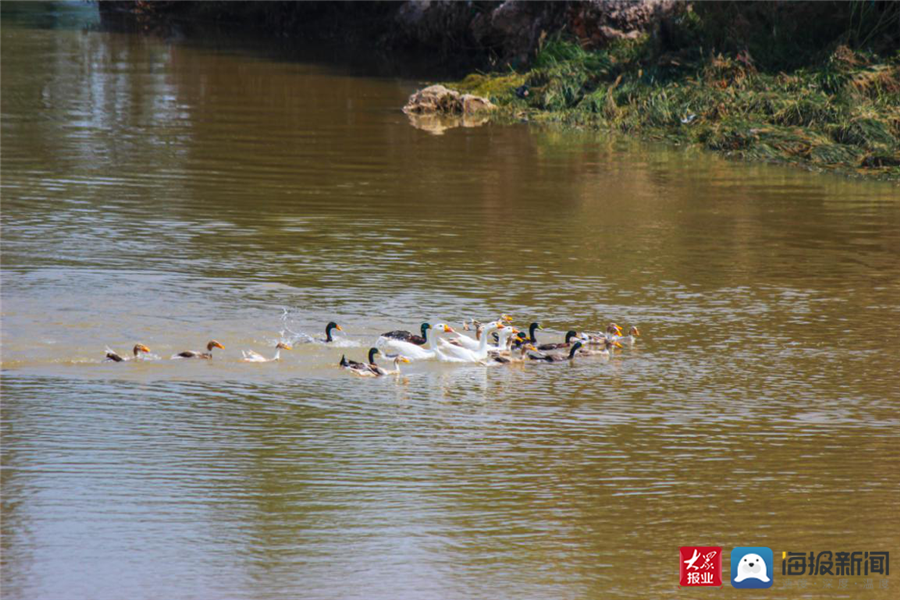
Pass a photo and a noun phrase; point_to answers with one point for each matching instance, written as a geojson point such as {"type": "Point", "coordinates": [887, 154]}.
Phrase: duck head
{"type": "Point", "coordinates": [575, 348]}
{"type": "Point", "coordinates": [214, 344]}
{"type": "Point", "coordinates": [372, 353]}
{"type": "Point", "coordinates": [328, 328]}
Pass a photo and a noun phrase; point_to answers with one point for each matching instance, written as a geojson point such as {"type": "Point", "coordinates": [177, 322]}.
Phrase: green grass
{"type": "Point", "coordinates": [841, 113]}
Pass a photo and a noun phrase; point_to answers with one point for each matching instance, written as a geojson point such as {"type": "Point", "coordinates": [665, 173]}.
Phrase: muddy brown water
{"type": "Point", "coordinates": [168, 193]}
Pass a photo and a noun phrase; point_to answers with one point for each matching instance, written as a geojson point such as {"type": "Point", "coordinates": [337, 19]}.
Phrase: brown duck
{"type": "Point", "coordinates": [115, 357]}
{"type": "Point", "coordinates": [206, 355]}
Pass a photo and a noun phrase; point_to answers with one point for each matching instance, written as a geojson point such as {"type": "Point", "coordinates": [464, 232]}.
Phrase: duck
{"type": "Point", "coordinates": [560, 345]}
{"type": "Point", "coordinates": [631, 338]}
{"type": "Point", "coordinates": [557, 357]}
{"type": "Point", "coordinates": [447, 352]}
{"type": "Point", "coordinates": [521, 338]}
{"type": "Point", "coordinates": [531, 329]}
{"type": "Point", "coordinates": [251, 356]}
{"type": "Point", "coordinates": [380, 372]}
{"type": "Point", "coordinates": [328, 329]}
{"type": "Point", "coordinates": [498, 338]}
{"type": "Point", "coordinates": [523, 352]}
{"type": "Point", "coordinates": [406, 336]}
{"type": "Point", "coordinates": [504, 340]}
{"type": "Point", "coordinates": [195, 354]}
{"type": "Point", "coordinates": [370, 369]}
{"type": "Point", "coordinates": [605, 351]}
{"type": "Point", "coordinates": [465, 341]}
{"type": "Point", "coordinates": [358, 367]}
{"type": "Point", "coordinates": [612, 332]}
{"type": "Point", "coordinates": [414, 351]}
{"type": "Point", "coordinates": [138, 349]}
{"type": "Point", "coordinates": [476, 324]}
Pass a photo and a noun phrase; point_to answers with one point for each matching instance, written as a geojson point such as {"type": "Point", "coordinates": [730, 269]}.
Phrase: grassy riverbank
{"type": "Point", "coordinates": [837, 110]}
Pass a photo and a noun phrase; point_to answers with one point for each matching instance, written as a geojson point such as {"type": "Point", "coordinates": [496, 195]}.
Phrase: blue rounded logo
{"type": "Point", "coordinates": [752, 567]}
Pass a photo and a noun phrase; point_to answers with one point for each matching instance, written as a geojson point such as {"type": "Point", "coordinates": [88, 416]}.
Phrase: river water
{"type": "Point", "coordinates": [169, 191]}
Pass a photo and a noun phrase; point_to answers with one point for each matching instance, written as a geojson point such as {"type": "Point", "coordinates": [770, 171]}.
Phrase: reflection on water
{"type": "Point", "coordinates": [169, 193]}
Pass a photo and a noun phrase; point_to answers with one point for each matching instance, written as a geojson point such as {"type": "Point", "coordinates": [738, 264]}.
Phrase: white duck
{"type": "Point", "coordinates": [251, 356]}
{"type": "Point", "coordinates": [413, 351]}
{"type": "Point", "coordinates": [474, 344]}
{"type": "Point", "coordinates": [447, 352]}
{"type": "Point", "coordinates": [504, 341]}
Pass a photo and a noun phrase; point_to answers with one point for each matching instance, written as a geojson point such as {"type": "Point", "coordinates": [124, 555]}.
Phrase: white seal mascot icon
{"type": "Point", "coordinates": [752, 566]}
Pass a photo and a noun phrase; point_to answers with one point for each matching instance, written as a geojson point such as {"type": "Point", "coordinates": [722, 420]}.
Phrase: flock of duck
{"type": "Point", "coordinates": [493, 342]}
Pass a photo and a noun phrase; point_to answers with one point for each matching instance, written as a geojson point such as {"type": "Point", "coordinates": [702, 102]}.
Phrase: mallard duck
{"type": "Point", "coordinates": [370, 369]}
{"type": "Point", "coordinates": [358, 367]}
{"type": "Point", "coordinates": [328, 329]}
{"type": "Point", "coordinates": [251, 356]}
{"type": "Point", "coordinates": [406, 336]}
{"type": "Point", "coordinates": [531, 329]}
{"type": "Point", "coordinates": [138, 349]}
{"type": "Point", "coordinates": [557, 357]}
{"type": "Point", "coordinates": [561, 345]}
{"type": "Point", "coordinates": [522, 338]}
{"type": "Point", "coordinates": [195, 354]}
